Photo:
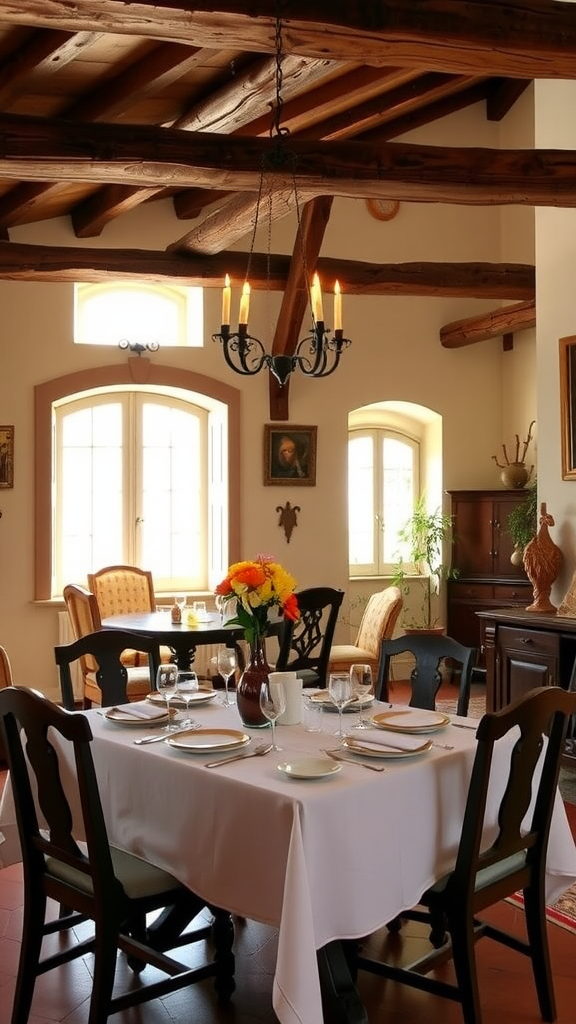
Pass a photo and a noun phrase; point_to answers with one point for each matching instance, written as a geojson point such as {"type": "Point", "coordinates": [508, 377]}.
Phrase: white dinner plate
{"type": "Point", "coordinates": [411, 720]}
{"type": "Point", "coordinates": [123, 718]}
{"type": "Point", "coordinates": [323, 697]}
{"type": "Point", "coordinates": [355, 747]}
{"type": "Point", "coordinates": [309, 768]}
{"type": "Point", "coordinates": [205, 741]}
{"type": "Point", "coordinates": [200, 696]}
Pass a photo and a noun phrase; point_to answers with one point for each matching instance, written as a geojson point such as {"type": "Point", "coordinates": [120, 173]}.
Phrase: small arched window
{"type": "Point", "coordinates": [138, 313]}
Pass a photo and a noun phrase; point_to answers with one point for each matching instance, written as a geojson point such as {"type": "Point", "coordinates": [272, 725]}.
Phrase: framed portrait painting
{"type": "Point", "coordinates": [6, 456]}
{"type": "Point", "coordinates": [289, 455]}
{"type": "Point", "coordinates": [568, 406]}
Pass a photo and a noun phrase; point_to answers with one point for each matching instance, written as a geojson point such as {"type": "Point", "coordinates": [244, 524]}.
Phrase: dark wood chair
{"type": "Point", "coordinates": [514, 862]}
{"type": "Point", "coordinates": [305, 644]}
{"type": "Point", "coordinates": [106, 647]}
{"type": "Point", "coordinates": [428, 651]}
{"type": "Point", "coordinates": [96, 881]}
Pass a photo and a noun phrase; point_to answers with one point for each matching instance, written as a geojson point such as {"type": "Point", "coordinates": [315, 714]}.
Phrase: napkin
{"type": "Point", "coordinates": [141, 709]}
{"type": "Point", "coordinates": [384, 740]}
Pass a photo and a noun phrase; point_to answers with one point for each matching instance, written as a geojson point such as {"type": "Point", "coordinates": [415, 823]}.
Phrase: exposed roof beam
{"type": "Point", "coordinates": [23, 262]}
{"type": "Point", "coordinates": [519, 39]}
{"type": "Point", "coordinates": [38, 149]}
{"type": "Point", "coordinates": [509, 319]}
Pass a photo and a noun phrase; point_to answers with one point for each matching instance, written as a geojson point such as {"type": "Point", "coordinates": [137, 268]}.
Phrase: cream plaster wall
{"type": "Point", "coordinates": [395, 355]}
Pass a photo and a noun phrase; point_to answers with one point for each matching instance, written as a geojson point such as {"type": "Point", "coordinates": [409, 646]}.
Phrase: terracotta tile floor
{"type": "Point", "coordinates": [508, 995]}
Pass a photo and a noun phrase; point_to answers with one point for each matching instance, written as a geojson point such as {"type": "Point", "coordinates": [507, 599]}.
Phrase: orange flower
{"type": "Point", "coordinates": [291, 609]}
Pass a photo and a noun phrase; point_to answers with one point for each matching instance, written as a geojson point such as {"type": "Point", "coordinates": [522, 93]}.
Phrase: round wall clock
{"type": "Point", "coordinates": [383, 209]}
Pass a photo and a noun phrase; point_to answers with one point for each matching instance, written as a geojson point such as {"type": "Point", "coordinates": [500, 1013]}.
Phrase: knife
{"type": "Point", "coordinates": [157, 736]}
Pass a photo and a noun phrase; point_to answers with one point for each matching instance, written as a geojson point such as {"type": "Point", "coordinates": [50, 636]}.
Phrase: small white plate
{"type": "Point", "coordinates": [120, 717]}
{"type": "Point", "coordinates": [205, 741]}
{"type": "Point", "coordinates": [323, 697]}
{"type": "Point", "coordinates": [410, 720]}
{"type": "Point", "coordinates": [201, 696]}
{"type": "Point", "coordinates": [309, 768]}
{"type": "Point", "coordinates": [355, 747]}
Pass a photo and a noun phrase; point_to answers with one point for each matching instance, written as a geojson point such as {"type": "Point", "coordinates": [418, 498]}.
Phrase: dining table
{"type": "Point", "coordinates": [322, 850]}
{"type": "Point", "coordinates": [184, 637]}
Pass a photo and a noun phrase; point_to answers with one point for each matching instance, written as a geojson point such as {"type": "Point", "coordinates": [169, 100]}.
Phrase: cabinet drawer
{"type": "Point", "coordinates": [513, 593]}
{"type": "Point", "coordinates": [530, 640]}
{"type": "Point", "coordinates": [471, 591]}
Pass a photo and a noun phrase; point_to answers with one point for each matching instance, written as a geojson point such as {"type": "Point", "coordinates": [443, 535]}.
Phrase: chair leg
{"type": "Point", "coordinates": [105, 953]}
{"type": "Point", "coordinates": [535, 913]}
{"type": "Point", "coordinates": [223, 936]}
{"type": "Point", "coordinates": [464, 959]}
{"type": "Point", "coordinates": [32, 934]}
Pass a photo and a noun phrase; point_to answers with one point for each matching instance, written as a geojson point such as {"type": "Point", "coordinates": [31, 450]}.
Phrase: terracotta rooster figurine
{"type": "Point", "coordinates": [542, 561]}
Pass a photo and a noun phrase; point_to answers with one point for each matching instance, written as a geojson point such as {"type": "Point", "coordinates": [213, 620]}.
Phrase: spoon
{"type": "Point", "coordinates": [262, 748]}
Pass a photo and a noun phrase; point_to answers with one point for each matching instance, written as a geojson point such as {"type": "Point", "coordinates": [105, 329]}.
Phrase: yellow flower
{"type": "Point", "coordinates": [257, 586]}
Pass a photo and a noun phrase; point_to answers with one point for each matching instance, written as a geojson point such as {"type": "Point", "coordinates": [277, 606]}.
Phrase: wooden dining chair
{"type": "Point", "coordinates": [109, 677]}
{"type": "Point", "coordinates": [305, 644]}
{"type": "Point", "coordinates": [515, 860]}
{"type": "Point", "coordinates": [85, 619]}
{"type": "Point", "coordinates": [121, 589]}
{"type": "Point", "coordinates": [378, 621]}
{"type": "Point", "coordinates": [95, 881]}
{"type": "Point", "coordinates": [429, 651]}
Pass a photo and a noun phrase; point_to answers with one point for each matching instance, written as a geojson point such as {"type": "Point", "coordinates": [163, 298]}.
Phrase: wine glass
{"type": "Point", "coordinates": [186, 687]}
{"type": "Point", "coordinates": [272, 704]}
{"type": "Point", "coordinates": [361, 679]}
{"type": "Point", "coordinates": [227, 665]}
{"type": "Point", "coordinates": [340, 691]}
{"type": "Point", "coordinates": [220, 602]}
{"type": "Point", "coordinates": [166, 677]}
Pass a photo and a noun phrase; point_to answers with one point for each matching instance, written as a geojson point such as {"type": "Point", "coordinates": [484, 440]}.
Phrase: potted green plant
{"type": "Point", "coordinates": [421, 544]}
{"type": "Point", "coordinates": [522, 523]}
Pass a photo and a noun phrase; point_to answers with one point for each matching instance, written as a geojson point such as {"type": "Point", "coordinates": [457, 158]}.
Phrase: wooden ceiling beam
{"type": "Point", "coordinates": [24, 262]}
{"type": "Point", "coordinates": [43, 53]}
{"type": "Point", "coordinates": [296, 295]}
{"type": "Point", "coordinates": [496, 323]}
{"type": "Point", "coordinates": [518, 39]}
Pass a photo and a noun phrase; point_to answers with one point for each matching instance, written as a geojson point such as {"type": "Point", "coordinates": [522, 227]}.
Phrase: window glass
{"type": "Point", "coordinates": [138, 313]}
{"type": "Point", "coordinates": [382, 483]}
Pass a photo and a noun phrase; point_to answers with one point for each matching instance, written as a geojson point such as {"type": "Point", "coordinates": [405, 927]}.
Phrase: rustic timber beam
{"type": "Point", "coordinates": [519, 39]}
{"type": "Point", "coordinates": [296, 296]}
{"type": "Point", "coordinates": [23, 262]}
{"type": "Point", "coordinates": [38, 149]}
{"type": "Point", "coordinates": [505, 321]}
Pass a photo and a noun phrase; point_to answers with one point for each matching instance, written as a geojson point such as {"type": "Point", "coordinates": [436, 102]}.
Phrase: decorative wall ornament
{"type": "Point", "coordinates": [288, 518]}
{"type": "Point", "coordinates": [383, 209]}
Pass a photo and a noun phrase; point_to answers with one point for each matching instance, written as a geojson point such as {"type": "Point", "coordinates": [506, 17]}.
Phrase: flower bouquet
{"type": "Point", "coordinates": [256, 587]}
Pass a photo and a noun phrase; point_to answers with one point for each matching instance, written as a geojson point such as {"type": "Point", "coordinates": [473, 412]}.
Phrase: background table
{"type": "Point", "coordinates": [182, 638]}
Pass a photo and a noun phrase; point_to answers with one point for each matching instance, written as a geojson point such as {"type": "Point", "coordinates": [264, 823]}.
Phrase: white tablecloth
{"type": "Point", "coordinates": [320, 859]}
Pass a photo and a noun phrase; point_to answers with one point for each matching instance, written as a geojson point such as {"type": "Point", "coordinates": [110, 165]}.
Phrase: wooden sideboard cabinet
{"type": "Point", "coordinates": [523, 650]}
{"type": "Point", "coordinates": [481, 550]}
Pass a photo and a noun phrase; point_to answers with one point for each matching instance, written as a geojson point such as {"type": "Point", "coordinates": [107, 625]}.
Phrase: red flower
{"type": "Point", "coordinates": [225, 587]}
{"type": "Point", "coordinates": [291, 609]}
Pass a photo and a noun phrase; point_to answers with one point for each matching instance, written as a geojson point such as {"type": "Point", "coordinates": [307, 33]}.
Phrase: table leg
{"type": "Point", "coordinates": [340, 1000]}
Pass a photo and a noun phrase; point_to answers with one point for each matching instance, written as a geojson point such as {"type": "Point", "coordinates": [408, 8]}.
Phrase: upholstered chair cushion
{"type": "Point", "coordinates": [378, 622]}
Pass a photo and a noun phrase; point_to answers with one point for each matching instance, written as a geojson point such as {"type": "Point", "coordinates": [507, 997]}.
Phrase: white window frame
{"type": "Point", "coordinates": [379, 567]}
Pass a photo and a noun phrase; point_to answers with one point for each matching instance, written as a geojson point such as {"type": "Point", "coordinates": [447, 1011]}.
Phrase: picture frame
{"type": "Point", "coordinates": [289, 455]}
{"type": "Point", "coordinates": [6, 456]}
{"type": "Point", "coordinates": [568, 406]}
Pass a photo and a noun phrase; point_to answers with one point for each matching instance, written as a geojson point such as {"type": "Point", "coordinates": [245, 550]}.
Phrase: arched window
{"type": "Point", "coordinates": [138, 313]}
{"type": "Point", "coordinates": [383, 481]}
{"type": "Point", "coordinates": [137, 473]}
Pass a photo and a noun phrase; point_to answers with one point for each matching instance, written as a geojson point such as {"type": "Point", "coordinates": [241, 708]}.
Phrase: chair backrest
{"type": "Point", "coordinates": [84, 618]}
{"type": "Point", "coordinates": [5, 669]}
{"type": "Point", "coordinates": [541, 718]}
{"type": "Point", "coordinates": [379, 618]}
{"type": "Point", "coordinates": [428, 651]}
{"type": "Point", "coordinates": [120, 589]}
{"type": "Point", "coordinates": [106, 646]}
{"type": "Point", "coordinates": [305, 644]}
{"type": "Point", "coordinates": [49, 848]}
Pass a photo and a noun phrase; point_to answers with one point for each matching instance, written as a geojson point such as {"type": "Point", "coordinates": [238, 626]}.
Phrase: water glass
{"type": "Point", "coordinates": [312, 714]}
{"type": "Point", "coordinates": [166, 678]}
{"type": "Point", "coordinates": [186, 687]}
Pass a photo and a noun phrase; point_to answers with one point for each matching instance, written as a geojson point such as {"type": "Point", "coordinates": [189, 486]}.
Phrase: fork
{"type": "Point", "coordinates": [349, 760]}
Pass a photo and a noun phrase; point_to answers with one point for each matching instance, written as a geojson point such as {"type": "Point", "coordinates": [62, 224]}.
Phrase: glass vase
{"type": "Point", "coordinates": [248, 689]}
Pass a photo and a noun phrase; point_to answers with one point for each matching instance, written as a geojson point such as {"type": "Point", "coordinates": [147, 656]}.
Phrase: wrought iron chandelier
{"type": "Point", "coordinates": [318, 354]}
